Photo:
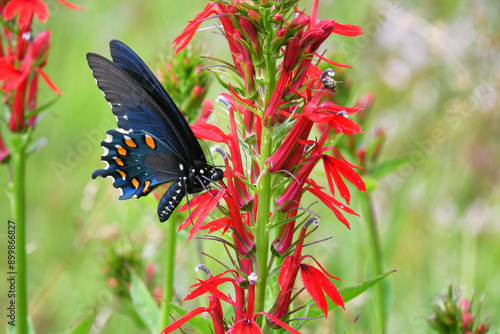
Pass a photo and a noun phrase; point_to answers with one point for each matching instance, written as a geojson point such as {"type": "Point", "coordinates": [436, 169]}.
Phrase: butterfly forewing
{"type": "Point", "coordinates": [133, 65]}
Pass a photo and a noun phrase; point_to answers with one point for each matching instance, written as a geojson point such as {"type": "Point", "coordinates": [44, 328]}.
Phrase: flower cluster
{"type": "Point", "coordinates": [23, 55]}
{"type": "Point", "coordinates": [453, 314]}
{"type": "Point", "coordinates": [185, 81]}
{"type": "Point", "coordinates": [277, 93]}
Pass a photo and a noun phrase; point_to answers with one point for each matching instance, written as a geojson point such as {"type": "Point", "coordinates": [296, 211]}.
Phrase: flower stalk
{"type": "Point", "coordinates": [380, 302]}
{"type": "Point", "coordinates": [18, 209]}
{"type": "Point", "coordinates": [275, 97]}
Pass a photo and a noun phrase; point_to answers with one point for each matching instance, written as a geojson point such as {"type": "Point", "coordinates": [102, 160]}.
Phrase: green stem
{"type": "Point", "coordinates": [18, 210]}
{"type": "Point", "coordinates": [376, 250]}
{"type": "Point", "coordinates": [264, 182]}
{"type": "Point", "coordinates": [262, 220]}
{"type": "Point", "coordinates": [168, 287]}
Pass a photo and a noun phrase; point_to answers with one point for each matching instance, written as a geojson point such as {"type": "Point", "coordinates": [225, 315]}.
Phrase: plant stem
{"type": "Point", "coordinates": [376, 250]}
{"type": "Point", "coordinates": [264, 183]}
{"type": "Point", "coordinates": [168, 287]}
{"type": "Point", "coordinates": [18, 204]}
{"type": "Point", "coordinates": [262, 233]}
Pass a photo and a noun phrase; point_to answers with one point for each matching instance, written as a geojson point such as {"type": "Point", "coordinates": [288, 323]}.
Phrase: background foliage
{"type": "Point", "coordinates": [433, 68]}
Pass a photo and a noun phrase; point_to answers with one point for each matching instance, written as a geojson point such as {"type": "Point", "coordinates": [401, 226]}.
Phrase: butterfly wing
{"type": "Point", "coordinates": [133, 107]}
{"type": "Point", "coordinates": [132, 64]}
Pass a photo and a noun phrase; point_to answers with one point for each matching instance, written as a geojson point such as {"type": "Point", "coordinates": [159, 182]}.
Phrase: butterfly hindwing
{"type": "Point", "coordinates": [133, 107]}
{"type": "Point", "coordinates": [137, 162]}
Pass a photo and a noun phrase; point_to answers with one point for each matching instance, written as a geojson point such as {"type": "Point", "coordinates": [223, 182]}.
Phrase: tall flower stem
{"type": "Point", "coordinates": [264, 184]}
{"type": "Point", "coordinates": [18, 206]}
{"type": "Point", "coordinates": [368, 215]}
{"type": "Point", "coordinates": [262, 233]}
{"type": "Point", "coordinates": [168, 287]}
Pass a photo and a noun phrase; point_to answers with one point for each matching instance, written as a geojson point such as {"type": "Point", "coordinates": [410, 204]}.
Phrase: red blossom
{"type": "Point", "coordinates": [315, 281]}
{"type": "Point", "coordinates": [26, 10]}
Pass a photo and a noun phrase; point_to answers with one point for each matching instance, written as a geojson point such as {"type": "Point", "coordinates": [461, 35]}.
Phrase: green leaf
{"type": "Point", "coordinates": [84, 326]}
{"type": "Point", "coordinates": [387, 167]}
{"type": "Point", "coordinates": [351, 292]}
{"type": "Point", "coordinates": [144, 302]}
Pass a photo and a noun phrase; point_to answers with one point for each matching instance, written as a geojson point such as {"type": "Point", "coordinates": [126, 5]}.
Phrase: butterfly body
{"type": "Point", "coordinates": [153, 144]}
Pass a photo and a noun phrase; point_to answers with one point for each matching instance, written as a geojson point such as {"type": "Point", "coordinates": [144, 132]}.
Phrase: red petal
{"type": "Point", "coordinates": [173, 326]}
{"type": "Point", "coordinates": [284, 274]}
{"type": "Point", "coordinates": [279, 322]}
{"type": "Point", "coordinates": [201, 290]}
{"type": "Point", "coordinates": [347, 29]}
{"type": "Point", "coordinates": [327, 286]}
{"type": "Point", "coordinates": [70, 5]}
{"type": "Point", "coordinates": [348, 173]}
{"type": "Point", "coordinates": [244, 326]}
{"type": "Point", "coordinates": [12, 8]}
{"type": "Point", "coordinates": [25, 16]}
{"type": "Point", "coordinates": [217, 293]}
{"type": "Point", "coordinates": [187, 34]}
{"type": "Point", "coordinates": [331, 202]}
{"type": "Point", "coordinates": [49, 82]}
{"type": "Point", "coordinates": [40, 10]}
{"type": "Point", "coordinates": [331, 61]}
{"type": "Point", "coordinates": [332, 173]}
{"type": "Point", "coordinates": [210, 132]}
{"type": "Point", "coordinates": [345, 125]}
{"type": "Point", "coordinates": [313, 288]}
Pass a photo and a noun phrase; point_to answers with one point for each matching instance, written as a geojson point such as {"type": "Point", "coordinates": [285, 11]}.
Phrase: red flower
{"type": "Point", "coordinates": [315, 281]}
{"type": "Point", "coordinates": [26, 10]}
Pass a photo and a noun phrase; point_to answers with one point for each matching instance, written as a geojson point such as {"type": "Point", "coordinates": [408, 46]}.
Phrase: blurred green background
{"type": "Point", "coordinates": [434, 70]}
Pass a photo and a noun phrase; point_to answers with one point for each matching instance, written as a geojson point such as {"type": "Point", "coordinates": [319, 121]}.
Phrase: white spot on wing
{"type": "Point", "coordinates": [106, 151]}
{"type": "Point", "coordinates": [109, 138]}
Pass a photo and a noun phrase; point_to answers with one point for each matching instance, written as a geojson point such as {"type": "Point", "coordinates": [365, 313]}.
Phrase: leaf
{"type": "Point", "coordinates": [351, 292]}
{"type": "Point", "coordinates": [387, 167]}
{"type": "Point", "coordinates": [84, 326]}
{"type": "Point", "coordinates": [144, 302]}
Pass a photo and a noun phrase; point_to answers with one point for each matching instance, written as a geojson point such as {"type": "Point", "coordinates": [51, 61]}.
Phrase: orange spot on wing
{"type": "Point", "coordinates": [122, 151]}
{"type": "Point", "coordinates": [150, 142]}
{"type": "Point", "coordinates": [135, 183]}
{"type": "Point", "coordinates": [122, 173]}
{"type": "Point", "coordinates": [146, 186]}
{"type": "Point", "coordinates": [119, 161]}
{"type": "Point", "coordinates": [130, 142]}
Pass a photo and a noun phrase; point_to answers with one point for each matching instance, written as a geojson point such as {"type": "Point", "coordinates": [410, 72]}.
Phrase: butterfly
{"type": "Point", "coordinates": [153, 143]}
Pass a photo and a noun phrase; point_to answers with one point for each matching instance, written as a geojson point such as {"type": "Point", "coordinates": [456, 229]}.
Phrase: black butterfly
{"type": "Point", "coordinates": [153, 143]}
